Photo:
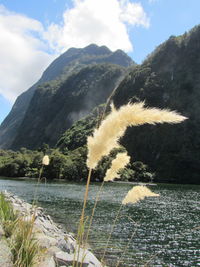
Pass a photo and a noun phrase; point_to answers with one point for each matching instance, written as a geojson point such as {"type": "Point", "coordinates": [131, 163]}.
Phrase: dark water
{"type": "Point", "coordinates": [165, 230]}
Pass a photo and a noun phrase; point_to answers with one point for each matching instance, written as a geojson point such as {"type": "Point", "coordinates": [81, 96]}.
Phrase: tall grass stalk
{"type": "Point", "coordinates": [136, 194]}
{"type": "Point", "coordinates": [24, 247]}
{"type": "Point", "coordinates": [81, 227]}
{"type": "Point", "coordinates": [86, 195]}
{"type": "Point", "coordinates": [121, 160]}
{"type": "Point", "coordinates": [93, 210]}
{"type": "Point", "coordinates": [6, 210]}
{"type": "Point", "coordinates": [111, 232]}
{"type": "Point", "coordinates": [125, 249]}
{"type": "Point", "coordinates": [106, 137]}
{"type": "Point", "coordinates": [7, 216]}
{"type": "Point", "coordinates": [45, 162]}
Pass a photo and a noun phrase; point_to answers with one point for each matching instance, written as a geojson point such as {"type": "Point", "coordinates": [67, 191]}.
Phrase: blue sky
{"type": "Point", "coordinates": [35, 32]}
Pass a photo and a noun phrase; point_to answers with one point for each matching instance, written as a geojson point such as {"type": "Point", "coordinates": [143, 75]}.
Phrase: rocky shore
{"type": "Point", "coordinates": [59, 246]}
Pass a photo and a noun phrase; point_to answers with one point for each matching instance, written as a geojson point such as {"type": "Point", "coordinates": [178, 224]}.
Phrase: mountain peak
{"type": "Point", "coordinates": [97, 50]}
{"type": "Point", "coordinates": [69, 63]}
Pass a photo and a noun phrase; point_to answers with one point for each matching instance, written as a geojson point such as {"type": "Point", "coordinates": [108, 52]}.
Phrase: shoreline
{"type": "Point", "coordinates": [59, 245]}
{"type": "Point", "coordinates": [96, 182]}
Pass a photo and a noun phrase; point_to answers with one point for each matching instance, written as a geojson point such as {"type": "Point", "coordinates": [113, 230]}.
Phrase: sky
{"type": "Point", "coordinates": [35, 32]}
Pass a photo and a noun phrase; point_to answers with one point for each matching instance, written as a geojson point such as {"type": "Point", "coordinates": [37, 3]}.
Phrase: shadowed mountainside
{"type": "Point", "coordinates": [24, 117]}
{"type": "Point", "coordinates": [168, 78]}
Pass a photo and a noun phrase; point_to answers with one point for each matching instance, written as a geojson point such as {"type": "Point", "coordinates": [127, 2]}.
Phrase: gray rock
{"type": "Point", "coordinates": [59, 245]}
{"type": "Point", "coordinates": [47, 262]}
{"type": "Point", "coordinates": [64, 245]}
{"type": "Point", "coordinates": [5, 254]}
{"type": "Point", "coordinates": [46, 241]}
{"type": "Point", "coordinates": [85, 257]}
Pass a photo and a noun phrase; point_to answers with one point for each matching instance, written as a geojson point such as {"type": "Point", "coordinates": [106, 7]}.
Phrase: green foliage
{"type": "Point", "coordinates": [56, 166]}
{"type": "Point", "coordinates": [21, 163]}
{"type": "Point", "coordinates": [7, 216]}
{"type": "Point", "coordinates": [168, 78]}
{"type": "Point", "coordinates": [70, 165]}
{"type": "Point", "coordinates": [76, 136]}
{"type": "Point", "coordinates": [6, 210]}
{"type": "Point", "coordinates": [24, 247]}
{"type": "Point", "coordinates": [55, 105]}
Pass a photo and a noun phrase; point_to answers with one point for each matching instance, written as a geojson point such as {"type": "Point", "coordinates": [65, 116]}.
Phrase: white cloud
{"type": "Point", "coordinates": [93, 21]}
{"type": "Point", "coordinates": [22, 56]}
{"type": "Point", "coordinates": [25, 44]}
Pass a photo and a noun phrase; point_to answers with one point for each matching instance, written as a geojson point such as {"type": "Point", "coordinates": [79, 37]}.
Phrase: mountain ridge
{"type": "Point", "coordinates": [70, 62]}
{"type": "Point", "coordinates": [168, 78]}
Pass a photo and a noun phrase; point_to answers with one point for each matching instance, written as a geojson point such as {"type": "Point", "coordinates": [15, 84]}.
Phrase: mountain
{"type": "Point", "coordinates": [69, 88]}
{"type": "Point", "coordinates": [168, 78]}
{"type": "Point", "coordinates": [82, 79]}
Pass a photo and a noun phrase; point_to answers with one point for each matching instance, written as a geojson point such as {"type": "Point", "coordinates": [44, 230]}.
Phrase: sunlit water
{"type": "Point", "coordinates": [164, 231]}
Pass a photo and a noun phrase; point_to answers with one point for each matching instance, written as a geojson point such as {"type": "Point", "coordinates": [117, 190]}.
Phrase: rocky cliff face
{"type": "Point", "coordinates": [170, 78]}
{"type": "Point", "coordinates": [39, 114]}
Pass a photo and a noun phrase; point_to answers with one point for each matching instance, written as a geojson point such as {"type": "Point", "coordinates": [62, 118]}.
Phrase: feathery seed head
{"type": "Point", "coordinates": [138, 193]}
{"type": "Point", "coordinates": [106, 137]}
{"type": "Point", "coordinates": [45, 160]}
{"type": "Point", "coordinates": [121, 160]}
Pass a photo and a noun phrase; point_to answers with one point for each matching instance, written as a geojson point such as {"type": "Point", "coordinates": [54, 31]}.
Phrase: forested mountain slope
{"type": "Point", "coordinates": [169, 78]}
{"type": "Point", "coordinates": [23, 122]}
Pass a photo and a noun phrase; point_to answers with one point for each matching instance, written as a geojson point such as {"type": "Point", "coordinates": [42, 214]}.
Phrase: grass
{"type": "Point", "coordinates": [106, 138]}
{"type": "Point", "coordinates": [7, 216]}
{"type": "Point", "coordinates": [20, 236]}
{"type": "Point", "coordinates": [24, 246]}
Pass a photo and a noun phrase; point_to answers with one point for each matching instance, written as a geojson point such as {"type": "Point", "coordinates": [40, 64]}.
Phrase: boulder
{"type": "Point", "coordinates": [85, 257]}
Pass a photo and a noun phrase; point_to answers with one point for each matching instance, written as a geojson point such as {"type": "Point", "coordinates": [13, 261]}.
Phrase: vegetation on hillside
{"type": "Point", "coordinates": [168, 78]}
{"type": "Point", "coordinates": [70, 166]}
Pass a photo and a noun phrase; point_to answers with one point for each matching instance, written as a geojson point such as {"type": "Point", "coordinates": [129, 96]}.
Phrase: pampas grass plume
{"type": "Point", "coordinates": [106, 137]}
{"type": "Point", "coordinates": [138, 193]}
{"type": "Point", "coordinates": [45, 160]}
{"type": "Point", "coordinates": [121, 160]}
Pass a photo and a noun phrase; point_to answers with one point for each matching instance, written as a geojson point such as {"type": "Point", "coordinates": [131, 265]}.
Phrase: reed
{"type": "Point", "coordinates": [138, 193]}
{"type": "Point", "coordinates": [121, 160]}
{"type": "Point", "coordinates": [106, 137]}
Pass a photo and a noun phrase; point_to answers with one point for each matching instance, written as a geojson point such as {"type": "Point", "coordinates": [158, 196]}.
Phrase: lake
{"type": "Point", "coordinates": [164, 230]}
